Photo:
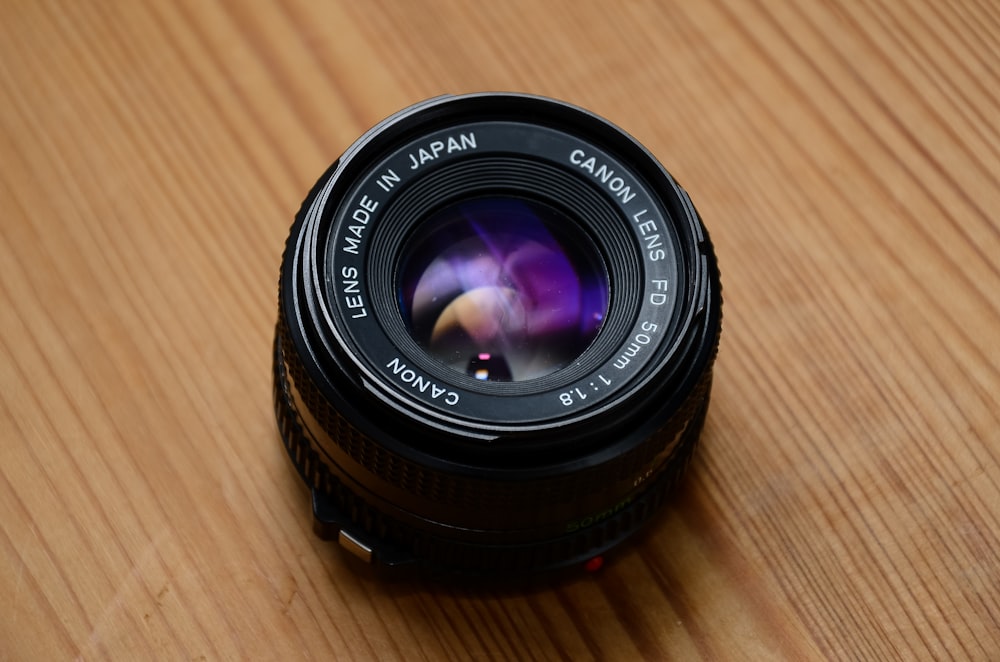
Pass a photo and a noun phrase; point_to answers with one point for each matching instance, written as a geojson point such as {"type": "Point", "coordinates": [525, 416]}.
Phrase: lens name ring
{"type": "Point", "coordinates": [640, 239]}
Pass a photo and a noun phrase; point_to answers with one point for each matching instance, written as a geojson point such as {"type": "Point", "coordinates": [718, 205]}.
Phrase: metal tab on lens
{"type": "Point", "coordinates": [355, 546]}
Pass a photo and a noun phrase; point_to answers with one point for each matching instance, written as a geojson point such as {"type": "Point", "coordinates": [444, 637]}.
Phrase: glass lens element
{"type": "Point", "coordinates": [502, 288]}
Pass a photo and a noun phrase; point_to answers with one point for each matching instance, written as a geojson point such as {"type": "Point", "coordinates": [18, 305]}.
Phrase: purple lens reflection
{"type": "Point", "coordinates": [502, 288]}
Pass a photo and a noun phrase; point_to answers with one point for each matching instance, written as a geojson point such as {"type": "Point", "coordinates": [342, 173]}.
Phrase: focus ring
{"type": "Point", "coordinates": [457, 490]}
{"type": "Point", "coordinates": [407, 545]}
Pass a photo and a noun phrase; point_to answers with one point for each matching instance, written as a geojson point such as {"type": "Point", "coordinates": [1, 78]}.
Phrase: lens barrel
{"type": "Point", "coordinates": [498, 316]}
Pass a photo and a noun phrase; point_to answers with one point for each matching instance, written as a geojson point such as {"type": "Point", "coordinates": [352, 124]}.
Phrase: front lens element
{"type": "Point", "coordinates": [502, 288]}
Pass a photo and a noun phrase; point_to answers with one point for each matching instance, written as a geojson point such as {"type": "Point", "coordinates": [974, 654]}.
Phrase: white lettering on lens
{"type": "Point", "coordinates": [388, 180]}
{"type": "Point", "coordinates": [420, 383]}
{"type": "Point", "coordinates": [435, 148]}
{"type": "Point", "coordinates": [602, 173]}
{"type": "Point", "coordinates": [570, 398]}
{"type": "Point", "coordinates": [350, 287]}
{"type": "Point", "coordinates": [650, 235]}
{"type": "Point", "coordinates": [359, 222]}
{"type": "Point", "coordinates": [658, 298]}
{"type": "Point", "coordinates": [638, 344]}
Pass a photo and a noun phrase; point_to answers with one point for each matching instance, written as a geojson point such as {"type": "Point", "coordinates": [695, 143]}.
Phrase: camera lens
{"type": "Point", "coordinates": [502, 288]}
{"type": "Point", "coordinates": [498, 316]}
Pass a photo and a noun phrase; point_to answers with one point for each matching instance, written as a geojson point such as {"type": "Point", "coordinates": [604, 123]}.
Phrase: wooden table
{"type": "Point", "coordinates": [846, 500]}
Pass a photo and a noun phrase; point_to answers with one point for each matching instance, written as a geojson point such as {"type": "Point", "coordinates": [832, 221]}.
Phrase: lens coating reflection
{"type": "Point", "coordinates": [502, 288]}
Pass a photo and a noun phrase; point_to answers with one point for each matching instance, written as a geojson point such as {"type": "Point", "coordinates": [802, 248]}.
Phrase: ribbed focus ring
{"type": "Point", "coordinates": [399, 541]}
{"type": "Point", "coordinates": [462, 492]}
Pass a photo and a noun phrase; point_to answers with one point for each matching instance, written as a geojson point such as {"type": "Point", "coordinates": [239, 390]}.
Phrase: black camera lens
{"type": "Point", "coordinates": [498, 316]}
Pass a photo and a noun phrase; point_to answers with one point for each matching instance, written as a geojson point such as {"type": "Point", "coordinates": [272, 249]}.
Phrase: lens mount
{"type": "Point", "coordinates": [498, 316]}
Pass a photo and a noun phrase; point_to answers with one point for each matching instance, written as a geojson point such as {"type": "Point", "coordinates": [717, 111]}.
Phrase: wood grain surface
{"type": "Point", "coordinates": [845, 503]}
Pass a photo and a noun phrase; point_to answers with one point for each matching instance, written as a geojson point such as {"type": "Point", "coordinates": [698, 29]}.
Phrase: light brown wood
{"type": "Point", "coordinates": [846, 500]}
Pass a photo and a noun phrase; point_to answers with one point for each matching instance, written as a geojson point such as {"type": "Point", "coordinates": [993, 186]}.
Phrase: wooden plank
{"type": "Point", "coordinates": [845, 502]}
